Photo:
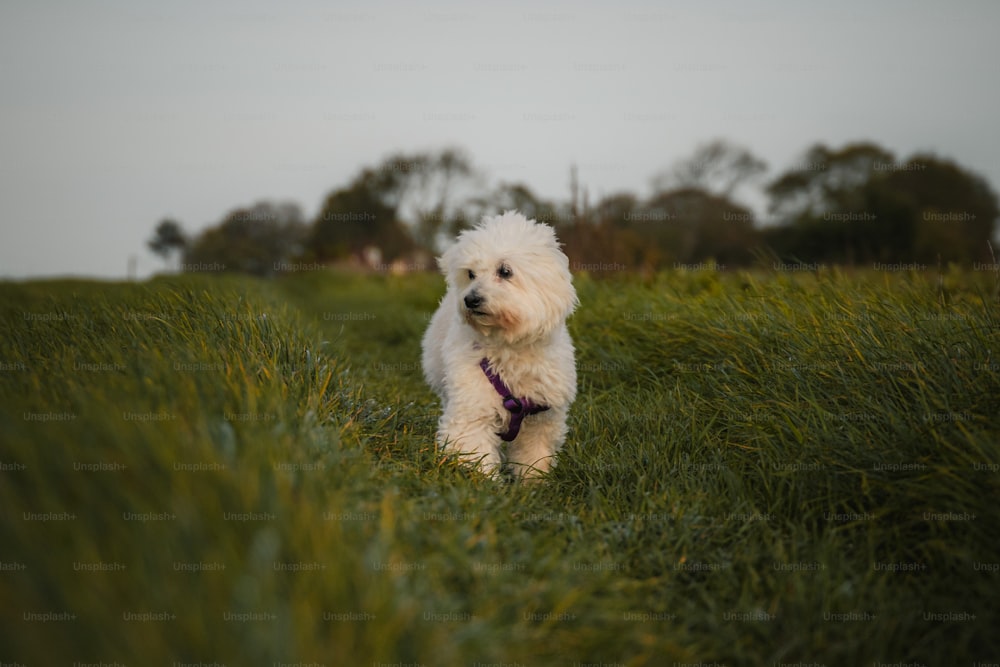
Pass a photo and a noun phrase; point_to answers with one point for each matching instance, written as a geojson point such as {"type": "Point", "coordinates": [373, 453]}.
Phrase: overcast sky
{"type": "Point", "coordinates": [114, 115]}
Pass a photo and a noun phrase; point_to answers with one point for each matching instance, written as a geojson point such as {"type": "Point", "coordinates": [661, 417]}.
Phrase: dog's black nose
{"type": "Point", "coordinates": [473, 300]}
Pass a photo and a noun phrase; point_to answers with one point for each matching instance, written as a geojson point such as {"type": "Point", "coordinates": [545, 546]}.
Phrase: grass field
{"type": "Point", "coordinates": [762, 469]}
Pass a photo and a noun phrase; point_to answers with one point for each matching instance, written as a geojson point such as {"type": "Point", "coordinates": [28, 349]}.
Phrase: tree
{"type": "Point", "coordinates": [520, 197]}
{"type": "Point", "coordinates": [826, 180]}
{"type": "Point", "coordinates": [432, 192]}
{"type": "Point", "coordinates": [258, 240]}
{"type": "Point", "coordinates": [718, 167]}
{"type": "Point", "coordinates": [405, 202]}
{"type": "Point", "coordinates": [859, 204]}
{"type": "Point", "coordinates": [693, 225]}
{"type": "Point", "coordinates": [168, 239]}
{"type": "Point", "coordinates": [360, 216]}
{"type": "Point", "coordinates": [610, 237]}
{"type": "Point", "coordinates": [954, 210]}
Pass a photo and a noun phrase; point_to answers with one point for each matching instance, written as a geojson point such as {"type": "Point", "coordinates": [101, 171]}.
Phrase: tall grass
{"type": "Point", "coordinates": [762, 468]}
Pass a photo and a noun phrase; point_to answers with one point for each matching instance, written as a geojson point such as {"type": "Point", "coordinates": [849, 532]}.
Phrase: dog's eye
{"type": "Point", "coordinates": [504, 271]}
{"type": "Point", "coordinates": [472, 274]}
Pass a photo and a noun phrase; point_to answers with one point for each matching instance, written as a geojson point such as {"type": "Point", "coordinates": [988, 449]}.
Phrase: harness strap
{"type": "Point", "coordinates": [518, 408]}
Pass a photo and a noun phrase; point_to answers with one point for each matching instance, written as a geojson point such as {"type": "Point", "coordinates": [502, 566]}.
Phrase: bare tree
{"type": "Point", "coordinates": [718, 167]}
{"type": "Point", "coordinates": [430, 192]}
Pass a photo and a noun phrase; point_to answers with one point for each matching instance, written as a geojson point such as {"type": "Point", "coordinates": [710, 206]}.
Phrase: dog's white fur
{"type": "Point", "coordinates": [519, 326]}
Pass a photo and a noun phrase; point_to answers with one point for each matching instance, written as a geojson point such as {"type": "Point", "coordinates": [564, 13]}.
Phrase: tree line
{"type": "Point", "coordinates": [854, 205]}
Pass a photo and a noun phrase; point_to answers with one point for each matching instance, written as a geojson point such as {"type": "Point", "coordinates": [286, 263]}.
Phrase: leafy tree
{"type": "Point", "coordinates": [168, 239]}
{"type": "Point", "coordinates": [954, 210]}
{"type": "Point", "coordinates": [359, 216]}
{"type": "Point", "coordinates": [692, 225]}
{"type": "Point", "coordinates": [826, 180]}
{"type": "Point", "coordinates": [258, 240]}
{"type": "Point", "coordinates": [859, 204]}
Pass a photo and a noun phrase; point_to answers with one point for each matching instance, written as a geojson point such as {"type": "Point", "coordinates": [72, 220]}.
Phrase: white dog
{"type": "Point", "coordinates": [497, 350]}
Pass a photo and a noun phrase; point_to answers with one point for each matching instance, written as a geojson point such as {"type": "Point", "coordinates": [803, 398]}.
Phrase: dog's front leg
{"type": "Point", "coordinates": [532, 453]}
{"type": "Point", "coordinates": [474, 440]}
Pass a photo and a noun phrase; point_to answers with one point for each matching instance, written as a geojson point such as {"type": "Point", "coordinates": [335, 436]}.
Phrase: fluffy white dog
{"type": "Point", "coordinates": [497, 350]}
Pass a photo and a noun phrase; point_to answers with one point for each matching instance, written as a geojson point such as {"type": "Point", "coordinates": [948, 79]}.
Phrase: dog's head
{"type": "Point", "coordinates": [511, 278]}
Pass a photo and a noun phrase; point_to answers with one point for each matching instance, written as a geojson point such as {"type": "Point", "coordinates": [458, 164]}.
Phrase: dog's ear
{"type": "Point", "coordinates": [446, 262]}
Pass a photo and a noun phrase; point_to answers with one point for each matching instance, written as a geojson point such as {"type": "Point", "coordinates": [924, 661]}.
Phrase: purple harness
{"type": "Point", "coordinates": [517, 407]}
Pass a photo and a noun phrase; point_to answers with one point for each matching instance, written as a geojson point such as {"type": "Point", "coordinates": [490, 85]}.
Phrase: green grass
{"type": "Point", "coordinates": [760, 469]}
